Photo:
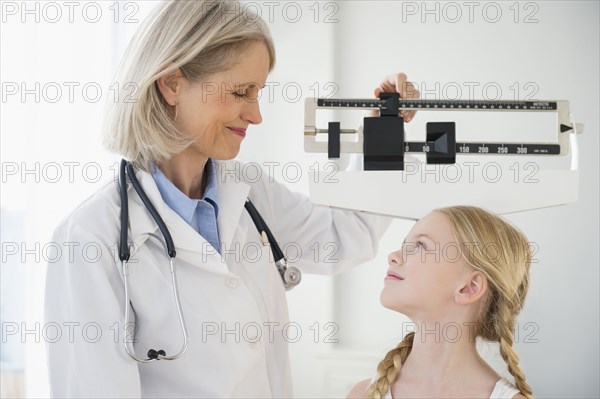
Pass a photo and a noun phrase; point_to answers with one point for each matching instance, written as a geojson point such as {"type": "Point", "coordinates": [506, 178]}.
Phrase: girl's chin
{"type": "Point", "coordinates": [392, 304]}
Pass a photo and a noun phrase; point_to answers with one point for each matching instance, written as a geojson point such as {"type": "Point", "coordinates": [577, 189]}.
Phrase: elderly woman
{"type": "Point", "coordinates": [195, 69]}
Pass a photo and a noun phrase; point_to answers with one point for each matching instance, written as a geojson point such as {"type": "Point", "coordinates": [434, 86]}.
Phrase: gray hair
{"type": "Point", "coordinates": [202, 37]}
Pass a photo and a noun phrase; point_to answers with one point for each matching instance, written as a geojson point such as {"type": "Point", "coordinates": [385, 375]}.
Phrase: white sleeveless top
{"type": "Point", "coordinates": [502, 390]}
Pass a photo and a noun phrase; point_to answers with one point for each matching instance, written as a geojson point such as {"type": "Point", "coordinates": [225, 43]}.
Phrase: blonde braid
{"type": "Point", "coordinates": [508, 275]}
{"type": "Point", "coordinates": [388, 368]}
{"type": "Point", "coordinates": [505, 331]}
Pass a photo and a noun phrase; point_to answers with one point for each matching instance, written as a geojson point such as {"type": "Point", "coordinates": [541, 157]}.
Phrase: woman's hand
{"type": "Point", "coordinates": [398, 83]}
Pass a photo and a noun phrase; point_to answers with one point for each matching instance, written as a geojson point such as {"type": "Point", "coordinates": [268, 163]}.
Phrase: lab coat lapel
{"type": "Point", "coordinates": [191, 247]}
{"type": "Point", "coordinates": [232, 194]}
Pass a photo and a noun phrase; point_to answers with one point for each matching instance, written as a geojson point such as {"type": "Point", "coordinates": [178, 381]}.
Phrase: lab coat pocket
{"type": "Point", "coordinates": [260, 266]}
{"type": "Point", "coordinates": [277, 304]}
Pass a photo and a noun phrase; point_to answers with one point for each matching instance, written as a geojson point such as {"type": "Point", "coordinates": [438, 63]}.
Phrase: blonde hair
{"type": "Point", "coordinates": [507, 273]}
{"type": "Point", "coordinates": [202, 37]}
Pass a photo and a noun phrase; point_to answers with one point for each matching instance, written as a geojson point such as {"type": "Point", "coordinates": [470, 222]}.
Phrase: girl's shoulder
{"type": "Point", "coordinates": [505, 390]}
{"type": "Point", "coordinates": [359, 390]}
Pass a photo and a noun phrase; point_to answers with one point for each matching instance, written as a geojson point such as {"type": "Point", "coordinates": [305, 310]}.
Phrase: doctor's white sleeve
{"type": "Point", "coordinates": [343, 238]}
{"type": "Point", "coordinates": [84, 300]}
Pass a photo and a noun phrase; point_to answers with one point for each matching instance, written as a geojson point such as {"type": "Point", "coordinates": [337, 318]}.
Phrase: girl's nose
{"type": "Point", "coordinates": [395, 258]}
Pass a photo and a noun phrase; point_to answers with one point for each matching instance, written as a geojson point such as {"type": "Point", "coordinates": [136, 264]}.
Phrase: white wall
{"type": "Point", "coordinates": [58, 60]}
{"type": "Point", "coordinates": [559, 54]}
{"type": "Point", "coordinates": [555, 57]}
{"type": "Point", "coordinates": [369, 40]}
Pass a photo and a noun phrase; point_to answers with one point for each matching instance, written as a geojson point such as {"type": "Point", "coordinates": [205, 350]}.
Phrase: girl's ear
{"type": "Point", "coordinates": [472, 288]}
{"type": "Point", "coordinates": [170, 86]}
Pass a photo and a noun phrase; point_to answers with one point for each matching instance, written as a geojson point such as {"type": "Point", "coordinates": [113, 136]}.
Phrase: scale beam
{"type": "Point", "coordinates": [382, 143]}
{"type": "Point", "coordinates": [391, 105]}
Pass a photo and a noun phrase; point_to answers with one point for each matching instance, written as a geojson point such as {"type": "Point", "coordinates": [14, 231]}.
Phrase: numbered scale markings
{"type": "Point", "coordinates": [442, 104]}
{"type": "Point", "coordinates": [458, 105]}
{"type": "Point", "coordinates": [490, 148]}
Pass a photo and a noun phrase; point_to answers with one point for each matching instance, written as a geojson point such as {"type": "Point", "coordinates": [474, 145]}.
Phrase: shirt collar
{"type": "Point", "coordinates": [183, 205]}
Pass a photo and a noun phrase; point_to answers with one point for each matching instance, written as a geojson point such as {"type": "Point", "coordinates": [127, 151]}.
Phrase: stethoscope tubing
{"type": "Point", "coordinates": [154, 355]}
{"type": "Point", "coordinates": [262, 227]}
{"type": "Point", "coordinates": [291, 276]}
{"type": "Point", "coordinates": [124, 254]}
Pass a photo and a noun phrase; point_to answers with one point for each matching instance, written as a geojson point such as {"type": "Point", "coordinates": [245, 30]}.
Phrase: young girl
{"type": "Point", "coordinates": [462, 273]}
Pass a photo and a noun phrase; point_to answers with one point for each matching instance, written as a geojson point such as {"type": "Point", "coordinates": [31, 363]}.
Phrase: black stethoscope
{"type": "Point", "coordinates": [290, 275]}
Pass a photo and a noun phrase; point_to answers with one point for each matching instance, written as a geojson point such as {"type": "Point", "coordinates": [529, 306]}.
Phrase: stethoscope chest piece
{"type": "Point", "coordinates": [290, 276]}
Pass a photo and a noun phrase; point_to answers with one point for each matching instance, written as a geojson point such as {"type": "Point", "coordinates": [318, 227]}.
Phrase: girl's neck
{"type": "Point", "coordinates": [444, 354]}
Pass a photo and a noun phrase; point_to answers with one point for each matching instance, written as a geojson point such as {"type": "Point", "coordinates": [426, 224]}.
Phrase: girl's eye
{"type": "Point", "coordinates": [413, 246]}
{"type": "Point", "coordinates": [239, 94]}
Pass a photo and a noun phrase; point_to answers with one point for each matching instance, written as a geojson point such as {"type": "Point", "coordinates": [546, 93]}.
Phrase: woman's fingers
{"type": "Point", "coordinates": [399, 83]}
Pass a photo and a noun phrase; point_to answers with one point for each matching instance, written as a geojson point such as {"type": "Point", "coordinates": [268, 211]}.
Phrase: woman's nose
{"type": "Point", "coordinates": [252, 113]}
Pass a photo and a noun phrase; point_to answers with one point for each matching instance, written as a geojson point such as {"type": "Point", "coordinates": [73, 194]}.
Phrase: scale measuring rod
{"type": "Point", "coordinates": [383, 186]}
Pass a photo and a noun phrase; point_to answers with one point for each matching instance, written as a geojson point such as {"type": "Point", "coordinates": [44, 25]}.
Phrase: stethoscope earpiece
{"type": "Point", "coordinates": [152, 354]}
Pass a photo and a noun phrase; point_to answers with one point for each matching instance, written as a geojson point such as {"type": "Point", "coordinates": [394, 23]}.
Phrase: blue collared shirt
{"type": "Point", "coordinates": [200, 214]}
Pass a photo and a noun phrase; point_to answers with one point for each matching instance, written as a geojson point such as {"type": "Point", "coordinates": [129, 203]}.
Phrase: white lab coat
{"type": "Point", "coordinates": [239, 295]}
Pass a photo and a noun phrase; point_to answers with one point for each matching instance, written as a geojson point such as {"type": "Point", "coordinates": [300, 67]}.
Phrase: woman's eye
{"type": "Point", "coordinates": [250, 93]}
{"type": "Point", "coordinates": [421, 244]}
